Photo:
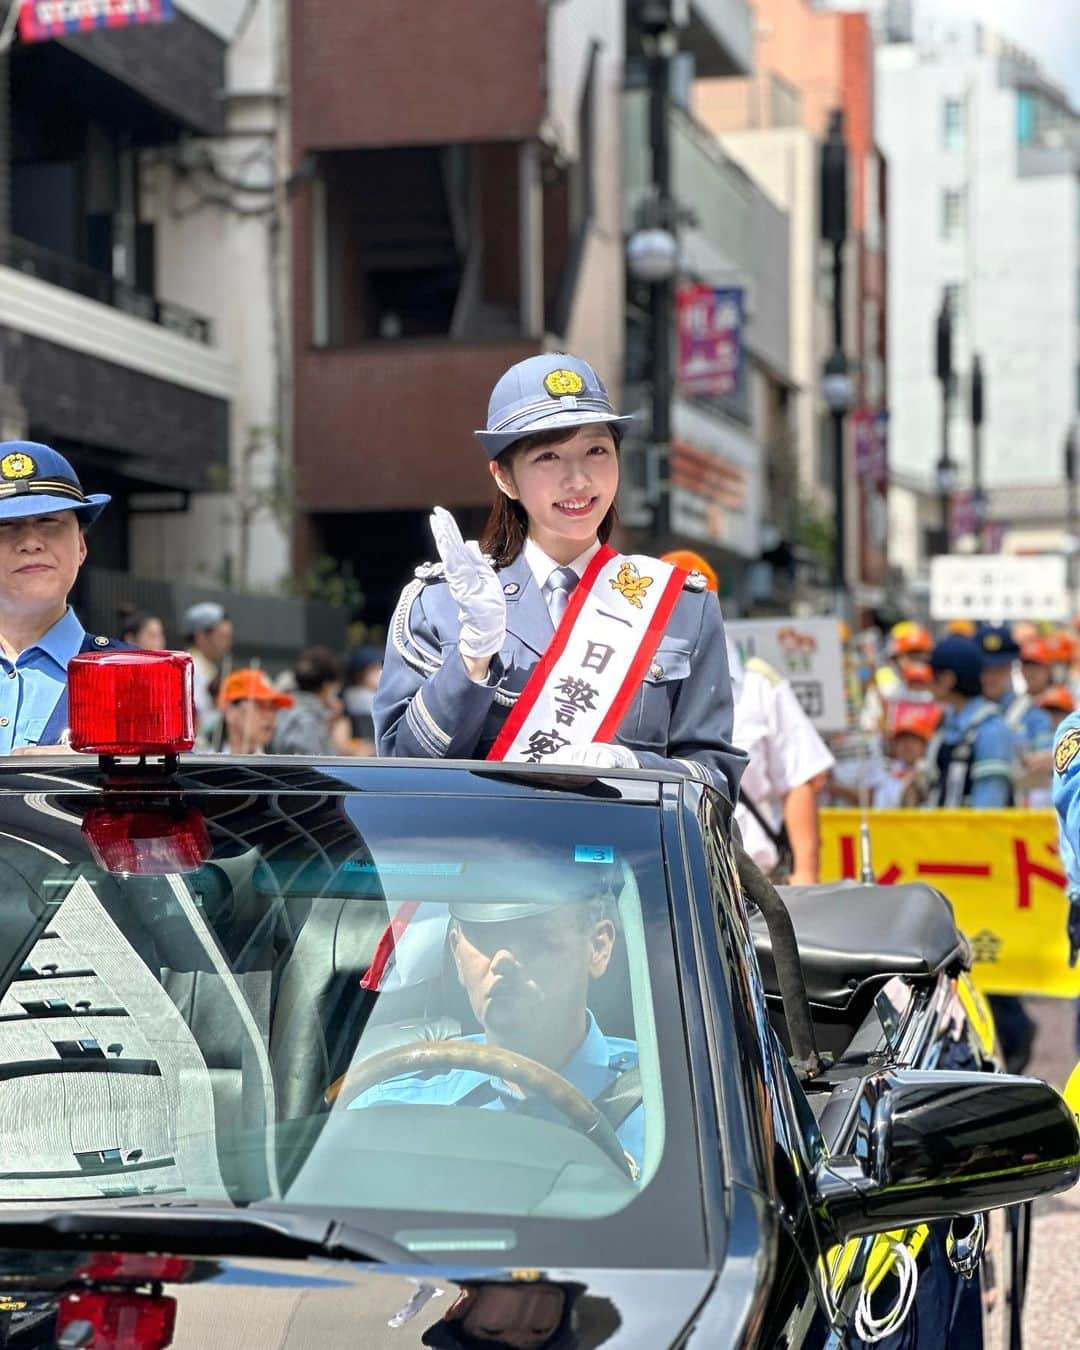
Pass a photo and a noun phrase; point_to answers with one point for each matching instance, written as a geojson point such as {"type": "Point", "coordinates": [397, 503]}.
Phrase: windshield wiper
{"type": "Point", "coordinates": [203, 1231]}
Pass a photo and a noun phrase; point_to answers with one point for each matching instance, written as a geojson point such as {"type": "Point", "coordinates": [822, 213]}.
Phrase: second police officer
{"type": "Point", "coordinates": [44, 516]}
{"type": "Point", "coordinates": [469, 632]}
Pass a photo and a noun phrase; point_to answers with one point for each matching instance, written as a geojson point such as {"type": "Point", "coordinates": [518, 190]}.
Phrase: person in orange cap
{"type": "Point", "coordinates": [904, 781]}
{"type": "Point", "coordinates": [1058, 702]}
{"type": "Point", "coordinates": [690, 561]}
{"type": "Point", "coordinates": [249, 707]}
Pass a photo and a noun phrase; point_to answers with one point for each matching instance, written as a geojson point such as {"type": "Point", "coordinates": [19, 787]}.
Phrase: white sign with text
{"type": "Point", "coordinates": [807, 653]}
{"type": "Point", "coordinates": [998, 587]}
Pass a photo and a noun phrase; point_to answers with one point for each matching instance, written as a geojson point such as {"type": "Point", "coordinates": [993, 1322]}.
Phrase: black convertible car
{"type": "Point", "coordinates": [394, 1053]}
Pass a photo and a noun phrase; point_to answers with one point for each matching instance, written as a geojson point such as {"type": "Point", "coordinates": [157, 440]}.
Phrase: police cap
{"type": "Point", "coordinates": [999, 648]}
{"type": "Point", "coordinates": [36, 480]}
{"type": "Point", "coordinates": [963, 656]}
{"type": "Point", "coordinates": [545, 393]}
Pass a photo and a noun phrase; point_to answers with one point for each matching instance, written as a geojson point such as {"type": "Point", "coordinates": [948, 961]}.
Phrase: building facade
{"type": "Point", "coordinates": [807, 65]}
{"type": "Point", "coordinates": [143, 282]}
{"type": "Point", "coordinates": [983, 165]}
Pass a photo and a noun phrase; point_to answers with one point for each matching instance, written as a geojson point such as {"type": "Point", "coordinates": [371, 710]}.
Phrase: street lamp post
{"type": "Point", "coordinates": [836, 383]}
{"type": "Point", "coordinates": [1073, 515]}
{"type": "Point", "coordinates": [946, 468]}
{"type": "Point", "coordinates": [978, 409]}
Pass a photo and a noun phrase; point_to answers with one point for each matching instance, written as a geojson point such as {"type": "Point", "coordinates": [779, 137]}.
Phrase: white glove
{"type": "Point", "coordinates": [474, 585]}
{"type": "Point", "coordinates": [597, 754]}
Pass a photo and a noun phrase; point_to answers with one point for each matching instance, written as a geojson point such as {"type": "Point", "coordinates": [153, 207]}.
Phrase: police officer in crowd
{"type": "Point", "coordinates": [971, 755]}
{"type": "Point", "coordinates": [469, 632]}
{"type": "Point", "coordinates": [972, 758]}
{"type": "Point", "coordinates": [44, 516]}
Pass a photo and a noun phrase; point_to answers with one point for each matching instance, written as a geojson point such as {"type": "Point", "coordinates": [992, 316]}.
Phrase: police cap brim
{"type": "Point", "coordinates": [29, 504]}
{"type": "Point", "coordinates": [495, 442]}
{"type": "Point", "coordinates": [468, 911]}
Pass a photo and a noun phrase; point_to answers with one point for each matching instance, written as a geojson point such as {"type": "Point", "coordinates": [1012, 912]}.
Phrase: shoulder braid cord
{"type": "Point", "coordinates": [414, 654]}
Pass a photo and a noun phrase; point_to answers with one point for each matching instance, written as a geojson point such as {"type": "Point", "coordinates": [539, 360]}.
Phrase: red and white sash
{"type": "Point", "coordinates": [594, 664]}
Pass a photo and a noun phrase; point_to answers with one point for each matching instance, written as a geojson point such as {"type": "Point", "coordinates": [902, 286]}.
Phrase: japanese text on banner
{"type": "Point", "coordinates": [1000, 870]}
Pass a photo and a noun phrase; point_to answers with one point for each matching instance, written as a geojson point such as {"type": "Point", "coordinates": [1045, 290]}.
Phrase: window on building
{"type": "Point", "coordinates": [1025, 117]}
{"type": "Point", "coordinates": [953, 124]}
{"type": "Point", "coordinates": [952, 212]}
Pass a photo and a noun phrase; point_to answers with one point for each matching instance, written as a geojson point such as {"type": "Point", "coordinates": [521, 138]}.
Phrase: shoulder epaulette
{"type": "Point", "coordinates": [762, 668]}
{"type": "Point", "coordinates": [430, 571]}
{"type": "Point", "coordinates": [695, 581]}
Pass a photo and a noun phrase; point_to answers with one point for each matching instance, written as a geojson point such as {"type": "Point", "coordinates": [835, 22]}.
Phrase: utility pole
{"type": "Point", "coordinates": [1071, 507]}
{"type": "Point", "coordinates": [12, 413]}
{"type": "Point", "coordinates": [946, 468]}
{"type": "Point", "coordinates": [836, 382]}
{"type": "Point", "coordinates": [660, 42]}
{"type": "Point", "coordinates": [978, 411]}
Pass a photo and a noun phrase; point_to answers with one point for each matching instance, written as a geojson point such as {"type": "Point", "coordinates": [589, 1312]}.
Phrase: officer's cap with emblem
{"type": "Point", "coordinates": [36, 480]}
{"type": "Point", "coordinates": [999, 647]}
{"type": "Point", "coordinates": [544, 393]}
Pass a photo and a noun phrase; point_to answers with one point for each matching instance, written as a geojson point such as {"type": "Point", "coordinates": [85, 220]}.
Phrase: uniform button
{"type": "Point", "coordinates": [656, 670]}
{"type": "Point", "coordinates": [4, 721]}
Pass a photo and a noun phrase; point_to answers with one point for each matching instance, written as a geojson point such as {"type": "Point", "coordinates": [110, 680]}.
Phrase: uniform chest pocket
{"type": "Point", "coordinates": [649, 719]}
{"type": "Point", "coordinates": [32, 730]}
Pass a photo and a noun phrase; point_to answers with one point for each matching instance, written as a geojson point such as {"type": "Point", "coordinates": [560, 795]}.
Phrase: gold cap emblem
{"type": "Point", "coordinates": [560, 383]}
{"type": "Point", "coordinates": [17, 465]}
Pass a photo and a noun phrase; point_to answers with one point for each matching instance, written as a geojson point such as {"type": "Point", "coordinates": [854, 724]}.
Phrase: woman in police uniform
{"type": "Point", "coordinates": [469, 630]}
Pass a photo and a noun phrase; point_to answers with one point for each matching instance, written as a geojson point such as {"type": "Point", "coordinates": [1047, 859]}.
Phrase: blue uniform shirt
{"type": "Point", "coordinates": [30, 687]}
{"type": "Point", "coordinates": [992, 754]}
{"type": "Point", "coordinates": [1034, 729]}
{"type": "Point", "coordinates": [1066, 795]}
{"type": "Point", "coordinates": [594, 1066]}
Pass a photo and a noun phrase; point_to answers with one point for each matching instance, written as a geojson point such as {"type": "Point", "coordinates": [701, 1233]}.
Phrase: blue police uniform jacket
{"type": "Point", "coordinates": [1066, 798]}
{"type": "Point", "coordinates": [593, 1067]}
{"type": "Point", "coordinates": [1030, 724]}
{"type": "Point", "coordinates": [427, 706]}
{"type": "Point", "coordinates": [33, 687]}
{"type": "Point", "coordinates": [993, 752]}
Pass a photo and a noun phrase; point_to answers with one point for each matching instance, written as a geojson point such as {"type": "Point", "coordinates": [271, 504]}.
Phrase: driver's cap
{"type": "Point", "coordinates": [473, 911]}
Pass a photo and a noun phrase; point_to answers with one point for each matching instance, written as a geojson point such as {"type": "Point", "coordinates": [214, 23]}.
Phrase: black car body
{"type": "Point", "coordinates": [200, 969]}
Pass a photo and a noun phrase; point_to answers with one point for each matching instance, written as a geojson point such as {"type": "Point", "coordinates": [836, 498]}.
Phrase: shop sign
{"type": "Point", "coordinates": [710, 321]}
{"type": "Point", "coordinates": [40, 20]}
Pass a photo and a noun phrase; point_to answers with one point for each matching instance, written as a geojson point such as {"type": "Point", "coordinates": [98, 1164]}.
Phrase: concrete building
{"type": "Point", "coordinates": [100, 358]}
{"type": "Point", "coordinates": [447, 226]}
{"type": "Point", "coordinates": [807, 64]}
{"type": "Point", "coordinates": [143, 284]}
{"type": "Point", "coordinates": [983, 167]}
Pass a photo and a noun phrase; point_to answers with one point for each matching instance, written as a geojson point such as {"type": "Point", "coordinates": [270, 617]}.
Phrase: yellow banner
{"type": "Point", "coordinates": [1001, 871]}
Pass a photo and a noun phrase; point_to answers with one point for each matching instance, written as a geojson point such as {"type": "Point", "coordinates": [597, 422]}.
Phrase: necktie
{"type": "Point", "coordinates": [557, 590]}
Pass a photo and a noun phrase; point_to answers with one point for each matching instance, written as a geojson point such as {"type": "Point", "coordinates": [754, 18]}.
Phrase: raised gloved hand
{"type": "Point", "coordinates": [597, 754]}
{"type": "Point", "coordinates": [474, 585]}
{"type": "Point", "coordinates": [1072, 928]}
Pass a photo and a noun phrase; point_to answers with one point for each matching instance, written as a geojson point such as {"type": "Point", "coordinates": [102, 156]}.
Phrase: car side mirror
{"type": "Point", "coordinates": [934, 1145]}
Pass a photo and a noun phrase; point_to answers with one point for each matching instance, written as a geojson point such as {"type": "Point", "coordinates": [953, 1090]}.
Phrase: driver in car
{"type": "Point", "coordinates": [527, 969]}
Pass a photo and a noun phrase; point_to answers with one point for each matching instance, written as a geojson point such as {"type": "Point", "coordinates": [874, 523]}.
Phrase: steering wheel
{"type": "Point", "coordinates": [495, 1062]}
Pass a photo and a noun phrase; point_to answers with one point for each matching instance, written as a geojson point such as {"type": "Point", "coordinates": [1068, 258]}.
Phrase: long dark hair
{"type": "Point", "coordinates": [508, 525]}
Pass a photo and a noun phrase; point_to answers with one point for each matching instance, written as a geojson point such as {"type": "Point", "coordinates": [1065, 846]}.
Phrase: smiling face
{"type": "Point", "coordinates": [566, 488]}
{"type": "Point", "coordinates": [528, 979]}
{"type": "Point", "coordinates": [250, 724]}
{"type": "Point", "coordinates": [40, 557]}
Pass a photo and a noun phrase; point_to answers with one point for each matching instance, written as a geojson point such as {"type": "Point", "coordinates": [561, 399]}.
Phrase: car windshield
{"type": "Point", "coordinates": [453, 1019]}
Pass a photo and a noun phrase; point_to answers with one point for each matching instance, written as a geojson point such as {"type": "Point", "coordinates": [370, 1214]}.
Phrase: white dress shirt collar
{"type": "Point", "coordinates": [542, 566]}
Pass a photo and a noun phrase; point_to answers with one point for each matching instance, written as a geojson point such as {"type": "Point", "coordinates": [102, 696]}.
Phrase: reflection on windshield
{"type": "Point", "coordinates": [336, 1011]}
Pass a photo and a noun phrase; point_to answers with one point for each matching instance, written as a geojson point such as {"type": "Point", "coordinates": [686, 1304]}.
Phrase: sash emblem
{"type": "Point", "coordinates": [630, 584]}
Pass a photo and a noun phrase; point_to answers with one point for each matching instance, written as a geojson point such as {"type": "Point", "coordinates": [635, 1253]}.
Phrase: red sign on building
{"type": "Point", "coordinates": [710, 320]}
